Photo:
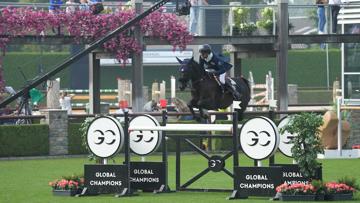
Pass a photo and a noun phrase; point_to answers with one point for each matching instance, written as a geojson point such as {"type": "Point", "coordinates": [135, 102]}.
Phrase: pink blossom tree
{"type": "Point", "coordinates": [82, 25]}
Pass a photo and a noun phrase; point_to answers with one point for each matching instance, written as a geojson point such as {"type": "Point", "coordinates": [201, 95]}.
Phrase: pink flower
{"type": "Point", "coordinates": [84, 25]}
{"type": "Point", "coordinates": [64, 184]}
{"type": "Point", "coordinates": [296, 188]}
{"type": "Point", "coordinates": [333, 187]}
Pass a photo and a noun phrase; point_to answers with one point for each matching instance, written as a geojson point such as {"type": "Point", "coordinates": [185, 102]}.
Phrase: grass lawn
{"type": "Point", "coordinates": [27, 180]}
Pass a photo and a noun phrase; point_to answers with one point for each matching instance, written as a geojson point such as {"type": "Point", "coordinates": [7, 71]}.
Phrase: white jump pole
{"type": "Point", "coordinates": [186, 127]}
{"type": "Point", "coordinates": [173, 87]}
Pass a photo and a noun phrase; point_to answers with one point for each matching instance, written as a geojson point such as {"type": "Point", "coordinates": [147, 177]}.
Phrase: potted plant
{"type": "Point", "coordinates": [338, 191]}
{"type": "Point", "coordinates": [266, 19]}
{"type": "Point", "coordinates": [296, 192]}
{"type": "Point", "coordinates": [307, 143]}
{"type": "Point", "coordinates": [343, 189]}
{"type": "Point", "coordinates": [67, 185]}
{"type": "Point", "coordinates": [320, 189]}
{"type": "Point", "coordinates": [242, 26]}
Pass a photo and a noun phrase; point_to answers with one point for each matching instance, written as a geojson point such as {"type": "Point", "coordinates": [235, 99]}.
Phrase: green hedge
{"type": "Point", "coordinates": [29, 63]}
{"type": "Point", "coordinates": [74, 139]}
{"type": "Point", "coordinates": [24, 140]}
{"type": "Point", "coordinates": [307, 68]}
{"type": "Point", "coordinates": [32, 140]}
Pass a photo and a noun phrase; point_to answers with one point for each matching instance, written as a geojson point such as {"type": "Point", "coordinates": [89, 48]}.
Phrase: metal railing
{"type": "Point", "coordinates": [302, 18]}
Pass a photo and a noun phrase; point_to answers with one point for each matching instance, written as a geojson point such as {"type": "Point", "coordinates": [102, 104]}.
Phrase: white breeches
{"type": "Point", "coordinates": [222, 78]}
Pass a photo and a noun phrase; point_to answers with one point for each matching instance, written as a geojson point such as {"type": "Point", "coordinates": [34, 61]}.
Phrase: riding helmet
{"type": "Point", "coordinates": [205, 49]}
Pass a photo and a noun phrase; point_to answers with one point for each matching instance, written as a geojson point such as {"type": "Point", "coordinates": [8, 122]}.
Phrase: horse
{"type": "Point", "coordinates": [206, 92]}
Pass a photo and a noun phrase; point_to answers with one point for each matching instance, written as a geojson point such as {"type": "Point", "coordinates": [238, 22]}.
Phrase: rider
{"type": "Point", "coordinates": [216, 66]}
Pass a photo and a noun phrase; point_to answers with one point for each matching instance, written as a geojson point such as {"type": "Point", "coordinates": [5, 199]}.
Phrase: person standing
{"type": "Point", "coordinates": [84, 5]}
{"type": "Point", "coordinates": [55, 6]}
{"type": "Point", "coordinates": [65, 102]}
{"type": "Point", "coordinates": [71, 6]}
{"type": "Point", "coordinates": [54, 9]}
{"type": "Point", "coordinates": [321, 15]}
{"type": "Point", "coordinates": [194, 15]}
{"type": "Point", "coordinates": [335, 8]}
{"type": "Point", "coordinates": [96, 6]}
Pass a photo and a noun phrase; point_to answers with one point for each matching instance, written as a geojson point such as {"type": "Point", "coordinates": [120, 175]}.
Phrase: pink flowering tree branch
{"type": "Point", "coordinates": [15, 22]}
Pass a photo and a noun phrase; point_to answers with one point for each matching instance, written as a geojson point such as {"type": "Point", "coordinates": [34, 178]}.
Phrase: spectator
{"type": "Point", "coordinates": [84, 6]}
{"type": "Point", "coordinates": [126, 6]}
{"type": "Point", "coordinates": [151, 106]}
{"type": "Point", "coordinates": [194, 15]}
{"type": "Point", "coordinates": [71, 6]}
{"type": "Point", "coordinates": [96, 6]}
{"type": "Point", "coordinates": [321, 15]}
{"type": "Point", "coordinates": [335, 8]}
{"type": "Point", "coordinates": [65, 102]}
{"type": "Point", "coordinates": [55, 6]}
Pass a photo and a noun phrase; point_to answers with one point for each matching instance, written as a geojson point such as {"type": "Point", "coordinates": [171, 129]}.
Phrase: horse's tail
{"type": "Point", "coordinates": [244, 89]}
{"type": "Point", "coordinates": [246, 82]}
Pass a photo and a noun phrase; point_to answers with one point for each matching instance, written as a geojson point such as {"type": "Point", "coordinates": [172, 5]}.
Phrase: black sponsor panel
{"type": "Point", "coordinates": [147, 176]}
{"type": "Point", "coordinates": [104, 179]}
{"type": "Point", "coordinates": [291, 174]}
{"type": "Point", "coordinates": [257, 181]}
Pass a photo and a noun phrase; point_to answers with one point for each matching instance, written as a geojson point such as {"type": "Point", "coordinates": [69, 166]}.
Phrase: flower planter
{"type": "Point", "coordinates": [64, 192]}
{"type": "Point", "coordinates": [297, 197]}
{"type": "Point", "coordinates": [320, 197]}
{"type": "Point", "coordinates": [339, 197]}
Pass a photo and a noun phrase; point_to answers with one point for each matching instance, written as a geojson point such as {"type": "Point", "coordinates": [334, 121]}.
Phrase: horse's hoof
{"type": "Point", "coordinates": [205, 116]}
{"type": "Point", "coordinates": [198, 119]}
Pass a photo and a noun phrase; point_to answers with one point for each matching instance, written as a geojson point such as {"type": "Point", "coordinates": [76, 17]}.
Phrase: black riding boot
{"type": "Point", "coordinates": [232, 89]}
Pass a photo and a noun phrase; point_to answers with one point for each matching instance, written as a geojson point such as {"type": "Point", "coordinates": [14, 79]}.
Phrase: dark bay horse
{"type": "Point", "coordinates": [206, 92]}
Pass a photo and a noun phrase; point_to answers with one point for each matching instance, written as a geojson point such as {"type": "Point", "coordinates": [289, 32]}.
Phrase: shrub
{"type": "Point", "coordinates": [24, 140]}
{"type": "Point", "coordinates": [266, 19]}
{"type": "Point", "coordinates": [307, 143]}
{"type": "Point", "coordinates": [241, 21]}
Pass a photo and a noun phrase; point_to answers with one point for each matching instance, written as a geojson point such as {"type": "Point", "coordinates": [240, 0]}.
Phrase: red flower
{"type": "Point", "coordinates": [338, 188]}
{"type": "Point", "coordinates": [296, 188]}
{"type": "Point", "coordinates": [64, 184]}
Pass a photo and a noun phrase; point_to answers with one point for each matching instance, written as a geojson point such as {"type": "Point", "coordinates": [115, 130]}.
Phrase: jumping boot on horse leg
{"type": "Point", "coordinates": [231, 86]}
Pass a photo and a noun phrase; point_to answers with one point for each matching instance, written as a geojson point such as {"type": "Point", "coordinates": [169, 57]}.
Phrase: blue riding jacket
{"type": "Point", "coordinates": [55, 4]}
{"type": "Point", "coordinates": [216, 63]}
{"type": "Point", "coordinates": [95, 1]}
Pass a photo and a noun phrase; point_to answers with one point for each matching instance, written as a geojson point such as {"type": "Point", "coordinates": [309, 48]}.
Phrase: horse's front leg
{"type": "Point", "coordinates": [203, 114]}
{"type": "Point", "coordinates": [191, 105]}
{"type": "Point", "coordinates": [209, 104]}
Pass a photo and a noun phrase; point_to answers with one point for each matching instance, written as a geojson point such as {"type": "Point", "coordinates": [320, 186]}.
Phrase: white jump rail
{"type": "Point", "coordinates": [187, 127]}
